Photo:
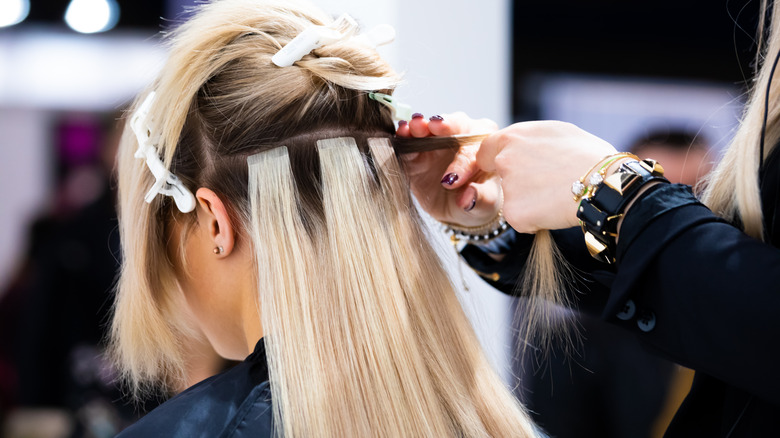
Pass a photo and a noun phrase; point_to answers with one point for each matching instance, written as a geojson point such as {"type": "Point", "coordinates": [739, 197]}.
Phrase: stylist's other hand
{"type": "Point", "coordinates": [537, 163]}
{"type": "Point", "coordinates": [448, 184]}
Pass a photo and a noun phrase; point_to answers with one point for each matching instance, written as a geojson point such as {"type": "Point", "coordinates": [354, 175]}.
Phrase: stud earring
{"type": "Point", "coordinates": [218, 250]}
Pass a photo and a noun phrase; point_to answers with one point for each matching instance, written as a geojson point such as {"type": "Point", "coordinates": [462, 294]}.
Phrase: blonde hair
{"type": "Point", "coordinates": [352, 298]}
{"type": "Point", "coordinates": [732, 191]}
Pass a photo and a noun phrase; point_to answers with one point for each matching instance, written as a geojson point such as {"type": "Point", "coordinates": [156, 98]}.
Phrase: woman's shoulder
{"type": "Point", "coordinates": [235, 403]}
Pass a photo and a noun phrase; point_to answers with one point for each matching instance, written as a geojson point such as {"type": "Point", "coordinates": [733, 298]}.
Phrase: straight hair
{"type": "Point", "coordinates": [352, 298]}
{"type": "Point", "coordinates": [732, 190]}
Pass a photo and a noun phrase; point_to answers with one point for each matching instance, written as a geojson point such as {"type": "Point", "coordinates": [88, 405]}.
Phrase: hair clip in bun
{"type": "Point", "coordinates": [148, 137]}
{"type": "Point", "coordinates": [313, 38]}
{"type": "Point", "coordinates": [401, 111]}
{"type": "Point", "coordinates": [377, 36]}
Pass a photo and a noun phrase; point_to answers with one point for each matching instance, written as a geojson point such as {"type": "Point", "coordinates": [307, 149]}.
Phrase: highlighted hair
{"type": "Point", "coordinates": [732, 190]}
{"type": "Point", "coordinates": [352, 298]}
{"type": "Point", "coordinates": [361, 307]}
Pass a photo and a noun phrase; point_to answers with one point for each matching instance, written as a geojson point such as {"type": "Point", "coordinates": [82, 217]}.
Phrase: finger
{"type": "Point", "coordinates": [418, 126]}
{"type": "Point", "coordinates": [476, 202]}
{"type": "Point", "coordinates": [430, 163]}
{"type": "Point", "coordinates": [403, 129]}
{"type": "Point", "coordinates": [450, 124]}
{"type": "Point", "coordinates": [443, 127]}
{"type": "Point", "coordinates": [410, 156]}
{"type": "Point", "coordinates": [467, 199]}
{"type": "Point", "coordinates": [461, 169]}
{"type": "Point", "coordinates": [460, 123]}
{"type": "Point", "coordinates": [488, 150]}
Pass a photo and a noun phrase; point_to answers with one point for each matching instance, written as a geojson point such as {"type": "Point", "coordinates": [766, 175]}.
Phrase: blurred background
{"type": "Point", "coordinates": [664, 77]}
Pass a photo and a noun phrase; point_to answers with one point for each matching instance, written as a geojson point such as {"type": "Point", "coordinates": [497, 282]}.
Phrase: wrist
{"type": "Point", "coordinates": [478, 235]}
{"type": "Point", "coordinates": [633, 201]}
{"type": "Point", "coordinates": [603, 168]}
{"type": "Point", "coordinates": [601, 210]}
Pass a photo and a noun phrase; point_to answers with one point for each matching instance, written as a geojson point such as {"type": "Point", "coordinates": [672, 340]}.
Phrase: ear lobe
{"type": "Point", "coordinates": [217, 220]}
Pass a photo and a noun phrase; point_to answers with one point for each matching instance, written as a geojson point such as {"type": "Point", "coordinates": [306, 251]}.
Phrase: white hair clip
{"type": "Point", "coordinates": [148, 137]}
{"type": "Point", "coordinates": [401, 111]}
{"type": "Point", "coordinates": [315, 37]}
{"type": "Point", "coordinates": [377, 36]}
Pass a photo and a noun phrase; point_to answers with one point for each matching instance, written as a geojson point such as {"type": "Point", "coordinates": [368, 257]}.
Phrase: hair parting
{"type": "Point", "coordinates": [352, 298]}
{"type": "Point", "coordinates": [369, 243]}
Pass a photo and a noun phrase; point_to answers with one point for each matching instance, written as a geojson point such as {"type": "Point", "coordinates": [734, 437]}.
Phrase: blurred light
{"type": "Point", "coordinates": [13, 11]}
{"type": "Point", "coordinates": [91, 16]}
{"type": "Point", "coordinates": [90, 73]}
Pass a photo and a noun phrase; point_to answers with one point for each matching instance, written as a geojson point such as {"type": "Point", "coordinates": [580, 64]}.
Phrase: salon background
{"type": "Point", "coordinates": [622, 70]}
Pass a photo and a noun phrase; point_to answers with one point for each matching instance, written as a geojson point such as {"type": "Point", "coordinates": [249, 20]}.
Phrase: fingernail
{"type": "Point", "coordinates": [436, 118]}
{"type": "Point", "coordinates": [473, 203]}
{"type": "Point", "coordinates": [417, 116]}
{"type": "Point", "coordinates": [449, 179]}
{"type": "Point", "coordinates": [402, 123]}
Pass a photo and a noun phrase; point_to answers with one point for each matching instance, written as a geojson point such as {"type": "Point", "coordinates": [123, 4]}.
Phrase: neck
{"type": "Point", "coordinates": [253, 328]}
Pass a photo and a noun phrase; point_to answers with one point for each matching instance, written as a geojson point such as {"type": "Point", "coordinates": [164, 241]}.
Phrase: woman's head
{"type": "Point", "coordinates": [219, 99]}
{"type": "Point", "coordinates": [304, 233]}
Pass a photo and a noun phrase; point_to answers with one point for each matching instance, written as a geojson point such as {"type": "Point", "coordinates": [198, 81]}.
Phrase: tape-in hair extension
{"type": "Point", "coordinates": [389, 173]}
{"type": "Point", "coordinates": [284, 273]}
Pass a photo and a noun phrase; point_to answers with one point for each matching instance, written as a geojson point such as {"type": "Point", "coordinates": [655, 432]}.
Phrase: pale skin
{"type": "Point", "coordinates": [220, 289]}
{"type": "Point", "coordinates": [474, 198]}
{"type": "Point", "coordinates": [533, 163]}
{"type": "Point", "coordinates": [536, 162]}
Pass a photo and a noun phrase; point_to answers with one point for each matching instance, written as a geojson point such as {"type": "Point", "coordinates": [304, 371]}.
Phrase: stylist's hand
{"type": "Point", "coordinates": [448, 184]}
{"type": "Point", "coordinates": [537, 162]}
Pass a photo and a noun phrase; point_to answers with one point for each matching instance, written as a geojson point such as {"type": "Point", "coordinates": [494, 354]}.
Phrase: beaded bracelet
{"type": "Point", "coordinates": [479, 234]}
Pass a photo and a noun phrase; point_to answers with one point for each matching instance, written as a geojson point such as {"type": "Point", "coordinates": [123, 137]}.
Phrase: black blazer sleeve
{"type": "Point", "coordinates": [693, 287]}
{"type": "Point", "coordinates": [713, 291]}
{"type": "Point", "coordinates": [589, 284]}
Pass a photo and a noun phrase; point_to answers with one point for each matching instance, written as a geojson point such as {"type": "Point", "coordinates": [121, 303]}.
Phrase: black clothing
{"type": "Point", "coordinates": [611, 387]}
{"type": "Point", "coordinates": [235, 403]}
{"type": "Point", "coordinates": [54, 317]}
{"type": "Point", "coordinates": [696, 290]}
{"type": "Point", "coordinates": [65, 304]}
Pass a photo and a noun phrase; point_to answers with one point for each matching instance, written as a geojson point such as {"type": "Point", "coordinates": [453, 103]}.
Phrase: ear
{"type": "Point", "coordinates": [214, 216]}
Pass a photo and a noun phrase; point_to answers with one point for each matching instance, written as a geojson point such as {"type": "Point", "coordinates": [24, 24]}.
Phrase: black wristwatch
{"type": "Point", "coordinates": [601, 210]}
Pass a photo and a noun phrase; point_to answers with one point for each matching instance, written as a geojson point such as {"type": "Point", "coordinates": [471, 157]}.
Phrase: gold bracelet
{"type": "Point", "coordinates": [579, 189]}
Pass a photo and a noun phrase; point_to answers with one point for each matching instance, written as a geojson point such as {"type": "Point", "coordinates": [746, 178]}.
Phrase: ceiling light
{"type": "Point", "coordinates": [91, 16]}
{"type": "Point", "coordinates": [13, 11]}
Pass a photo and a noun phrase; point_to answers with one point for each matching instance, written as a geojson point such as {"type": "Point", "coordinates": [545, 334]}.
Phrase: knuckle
{"type": "Point", "coordinates": [567, 126]}
{"type": "Point", "coordinates": [488, 124]}
{"type": "Point", "coordinates": [501, 161]}
{"type": "Point", "coordinates": [459, 114]}
{"type": "Point", "coordinates": [468, 152]}
{"type": "Point", "coordinates": [507, 140]}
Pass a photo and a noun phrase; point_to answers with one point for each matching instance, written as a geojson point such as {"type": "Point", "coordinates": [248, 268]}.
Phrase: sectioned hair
{"type": "Point", "coordinates": [352, 298]}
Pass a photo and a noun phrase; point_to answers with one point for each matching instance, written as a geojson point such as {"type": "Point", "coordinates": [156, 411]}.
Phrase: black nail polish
{"type": "Point", "coordinates": [449, 179]}
{"type": "Point", "coordinates": [436, 118]}
{"type": "Point", "coordinates": [472, 205]}
{"type": "Point", "coordinates": [402, 123]}
{"type": "Point", "coordinates": [417, 116]}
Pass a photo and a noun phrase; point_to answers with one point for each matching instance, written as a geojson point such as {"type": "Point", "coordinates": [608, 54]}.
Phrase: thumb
{"type": "Point", "coordinates": [488, 150]}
